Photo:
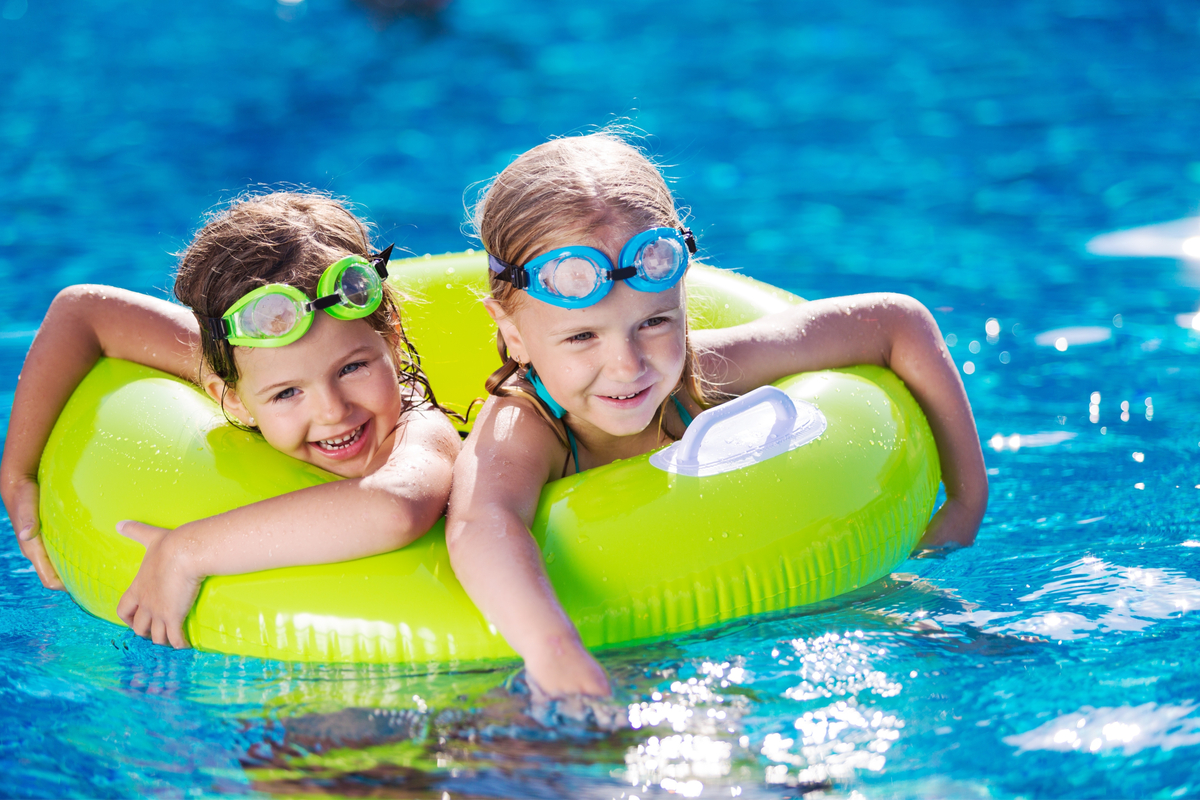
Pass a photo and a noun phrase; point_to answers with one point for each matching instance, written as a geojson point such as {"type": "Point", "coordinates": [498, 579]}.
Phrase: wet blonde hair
{"type": "Point", "coordinates": [282, 237]}
{"type": "Point", "coordinates": [577, 184]}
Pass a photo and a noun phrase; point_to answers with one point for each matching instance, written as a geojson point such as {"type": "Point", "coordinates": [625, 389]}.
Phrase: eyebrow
{"type": "Point", "coordinates": [348, 356]}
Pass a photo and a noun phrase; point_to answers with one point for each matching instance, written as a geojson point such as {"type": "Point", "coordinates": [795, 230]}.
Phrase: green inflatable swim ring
{"type": "Point", "coordinates": [635, 553]}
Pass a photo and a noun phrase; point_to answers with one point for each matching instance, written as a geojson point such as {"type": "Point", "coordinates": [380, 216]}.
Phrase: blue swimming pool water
{"type": "Point", "coordinates": [960, 152]}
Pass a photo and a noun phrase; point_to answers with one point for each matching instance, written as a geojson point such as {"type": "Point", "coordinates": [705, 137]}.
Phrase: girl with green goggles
{"type": "Point", "coordinates": [348, 397]}
{"type": "Point", "coordinates": [278, 314]}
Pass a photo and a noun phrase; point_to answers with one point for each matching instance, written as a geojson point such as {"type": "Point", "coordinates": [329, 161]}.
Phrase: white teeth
{"type": "Point", "coordinates": [625, 397]}
{"type": "Point", "coordinates": [341, 442]}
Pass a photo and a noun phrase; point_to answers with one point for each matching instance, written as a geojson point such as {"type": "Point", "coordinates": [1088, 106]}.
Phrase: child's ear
{"type": "Point", "coordinates": [225, 395]}
{"type": "Point", "coordinates": [512, 336]}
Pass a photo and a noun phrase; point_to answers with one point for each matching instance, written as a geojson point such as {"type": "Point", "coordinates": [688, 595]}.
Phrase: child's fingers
{"type": "Point", "coordinates": [158, 631]}
{"type": "Point", "coordinates": [127, 607]}
{"type": "Point", "coordinates": [27, 526]}
{"type": "Point", "coordinates": [175, 636]}
{"type": "Point", "coordinates": [141, 622]}
{"type": "Point", "coordinates": [138, 531]}
{"type": "Point", "coordinates": [608, 715]}
{"type": "Point", "coordinates": [35, 551]}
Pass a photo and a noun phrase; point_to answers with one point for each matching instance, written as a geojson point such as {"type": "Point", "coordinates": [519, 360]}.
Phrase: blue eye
{"type": "Point", "coordinates": [286, 394]}
{"type": "Point", "coordinates": [354, 367]}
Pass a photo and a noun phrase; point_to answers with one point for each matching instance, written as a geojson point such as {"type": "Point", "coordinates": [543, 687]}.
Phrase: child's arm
{"type": "Point", "coordinates": [509, 457]}
{"type": "Point", "coordinates": [386, 509]}
{"type": "Point", "coordinates": [890, 330]}
{"type": "Point", "coordinates": [83, 324]}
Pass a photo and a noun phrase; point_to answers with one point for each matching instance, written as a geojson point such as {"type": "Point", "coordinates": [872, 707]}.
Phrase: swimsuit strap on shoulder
{"type": "Point", "coordinates": [540, 388]}
{"type": "Point", "coordinates": [574, 451]}
{"type": "Point", "coordinates": [683, 412]}
{"type": "Point", "coordinates": [557, 410]}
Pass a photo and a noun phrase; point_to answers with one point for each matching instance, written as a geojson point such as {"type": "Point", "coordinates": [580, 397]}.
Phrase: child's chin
{"type": "Point", "coordinates": [626, 427]}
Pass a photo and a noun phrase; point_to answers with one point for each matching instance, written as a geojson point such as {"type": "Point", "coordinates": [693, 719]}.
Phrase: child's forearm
{"type": "Point", "coordinates": [889, 330]}
{"type": "Point", "coordinates": [919, 357]}
{"type": "Point", "coordinates": [337, 521]}
{"type": "Point", "coordinates": [499, 564]}
{"type": "Point", "coordinates": [63, 351]}
{"type": "Point", "coordinates": [83, 324]}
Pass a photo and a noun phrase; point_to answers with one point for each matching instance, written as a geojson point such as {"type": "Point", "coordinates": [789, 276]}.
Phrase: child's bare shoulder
{"type": "Point", "coordinates": [512, 432]}
{"type": "Point", "coordinates": [427, 428]}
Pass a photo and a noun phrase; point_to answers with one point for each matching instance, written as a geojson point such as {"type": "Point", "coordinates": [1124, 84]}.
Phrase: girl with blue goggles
{"type": "Point", "coordinates": [577, 277]}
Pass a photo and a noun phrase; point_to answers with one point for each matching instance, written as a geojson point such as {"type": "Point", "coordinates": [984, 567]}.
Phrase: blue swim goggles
{"type": "Point", "coordinates": [578, 277]}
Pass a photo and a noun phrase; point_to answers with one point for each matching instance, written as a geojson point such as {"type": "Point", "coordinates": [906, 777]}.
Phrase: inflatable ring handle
{"type": "Point", "coordinates": [785, 420]}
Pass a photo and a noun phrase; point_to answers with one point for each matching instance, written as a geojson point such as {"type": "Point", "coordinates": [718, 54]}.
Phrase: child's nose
{"type": "Point", "coordinates": [331, 406]}
{"type": "Point", "coordinates": [626, 361]}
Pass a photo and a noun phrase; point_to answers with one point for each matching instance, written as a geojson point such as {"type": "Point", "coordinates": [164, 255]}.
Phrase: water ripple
{"type": "Point", "coordinates": [1131, 598]}
{"type": "Point", "coordinates": [1130, 729]}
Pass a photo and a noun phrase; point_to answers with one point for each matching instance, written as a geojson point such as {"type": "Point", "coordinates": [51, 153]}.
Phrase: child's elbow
{"type": "Point", "coordinates": [908, 316]}
{"type": "Point", "coordinates": [71, 300]}
{"type": "Point", "coordinates": [907, 309]}
{"type": "Point", "coordinates": [456, 536]}
{"type": "Point", "coordinates": [81, 294]}
{"type": "Point", "coordinates": [462, 529]}
{"type": "Point", "coordinates": [404, 520]}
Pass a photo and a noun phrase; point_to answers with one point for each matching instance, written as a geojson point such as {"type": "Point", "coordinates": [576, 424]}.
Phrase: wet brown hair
{"type": "Point", "coordinates": [282, 237]}
{"type": "Point", "coordinates": [577, 184]}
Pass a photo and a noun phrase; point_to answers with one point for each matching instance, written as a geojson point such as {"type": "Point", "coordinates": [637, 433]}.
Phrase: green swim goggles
{"type": "Point", "coordinates": [277, 314]}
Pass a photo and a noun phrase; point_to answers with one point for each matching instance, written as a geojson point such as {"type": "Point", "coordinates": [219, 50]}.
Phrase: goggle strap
{"type": "Point", "coordinates": [517, 276]}
{"type": "Point", "coordinates": [322, 303]}
{"type": "Point", "coordinates": [218, 328]}
{"type": "Point", "coordinates": [689, 239]}
{"type": "Point", "coordinates": [380, 260]}
{"type": "Point", "coordinates": [622, 273]}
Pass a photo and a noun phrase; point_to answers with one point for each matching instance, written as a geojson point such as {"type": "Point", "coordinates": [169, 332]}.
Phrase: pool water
{"type": "Point", "coordinates": [963, 153]}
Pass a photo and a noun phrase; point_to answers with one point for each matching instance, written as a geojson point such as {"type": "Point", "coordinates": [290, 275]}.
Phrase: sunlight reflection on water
{"type": "Point", "coordinates": [1134, 598]}
{"type": "Point", "coordinates": [1128, 728]}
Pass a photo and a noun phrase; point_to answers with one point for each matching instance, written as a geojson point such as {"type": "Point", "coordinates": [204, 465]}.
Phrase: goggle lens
{"type": "Point", "coordinates": [269, 317]}
{"type": "Point", "coordinates": [570, 276]}
{"type": "Point", "coordinates": [359, 285]}
{"type": "Point", "coordinates": [658, 260]}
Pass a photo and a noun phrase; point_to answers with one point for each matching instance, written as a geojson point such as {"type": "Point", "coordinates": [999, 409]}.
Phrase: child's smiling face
{"type": "Point", "coordinates": [611, 365]}
{"type": "Point", "coordinates": [331, 399]}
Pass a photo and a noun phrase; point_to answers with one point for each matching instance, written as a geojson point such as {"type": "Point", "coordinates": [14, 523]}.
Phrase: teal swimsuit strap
{"type": "Point", "coordinates": [552, 405]}
{"type": "Point", "coordinates": [557, 410]}
{"type": "Point", "coordinates": [574, 451]}
{"type": "Point", "coordinates": [683, 412]}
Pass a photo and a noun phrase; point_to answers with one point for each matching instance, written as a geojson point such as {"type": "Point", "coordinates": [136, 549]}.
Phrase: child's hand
{"type": "Point", "coordinates": [22, 503]}
{"type": "Point", "coordinates": [954, 525]}
{"type": "Point", "coordinates": [160, 597]}
{"type": "Point", "coordinates": [567, 670]}
{"type": "Point", "coordinates": [601, 712]}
